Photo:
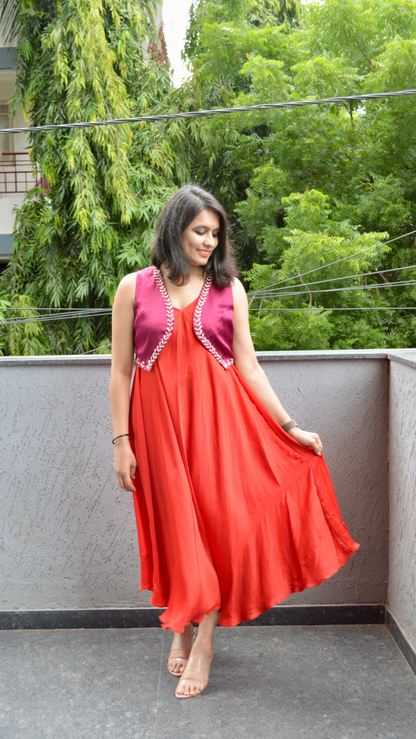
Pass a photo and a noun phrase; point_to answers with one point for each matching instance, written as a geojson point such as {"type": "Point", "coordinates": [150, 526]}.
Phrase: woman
{"type": "Point", "coordinates": [234, 504]}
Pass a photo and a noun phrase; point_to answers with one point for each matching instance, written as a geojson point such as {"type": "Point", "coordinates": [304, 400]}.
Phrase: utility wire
{"type": "Point", "coordinates": [204, 113]}
{"type": "Point", "coordinates": [80, 312]}
{"type": "Point", "coordinates": [36, 319]}
{"type": "Point", "coordinates": [53, 317]}
{"type": "Point", "coordinates": [69, 313]}
{"type": "Point", "coordinates": [347, 277]}
{"type": "Point", "coordinates": [262, 290]}
{"type": "Point", "coordinates": [103, 346]}
{"type": "Point", "coordinates": [374, 286]}
{"type": "Point", "coordinates": [269, 296]}
{"type": "Point", "coordinates": [329, 310]}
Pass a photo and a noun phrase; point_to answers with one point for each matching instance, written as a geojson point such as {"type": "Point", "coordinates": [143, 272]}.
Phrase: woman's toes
{"type": "Point", "coordinates": [175, 667]}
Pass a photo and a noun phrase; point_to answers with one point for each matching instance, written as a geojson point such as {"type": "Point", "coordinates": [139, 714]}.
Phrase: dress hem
{"type": "Point", "coordinates": [229, 622]}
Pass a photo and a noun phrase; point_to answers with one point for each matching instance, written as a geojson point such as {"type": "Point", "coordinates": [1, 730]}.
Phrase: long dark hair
{"type": "Point", "coordinates": [175, 217]}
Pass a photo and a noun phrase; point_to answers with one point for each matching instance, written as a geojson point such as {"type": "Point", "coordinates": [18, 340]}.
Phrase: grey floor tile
{"type": "Point", "coordinates": [340, 682]}
{"type": "Point", "coordinates": [76, 684]}
{"type": "Point", "coordinates": [330, 682]}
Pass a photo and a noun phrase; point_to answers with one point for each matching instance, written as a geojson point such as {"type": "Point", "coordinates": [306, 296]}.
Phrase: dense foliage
{"type": "Point", "coordinates": [90, 219]}
{"type": "Point", "coordinates": [304, 187]}
{"type": "Point", "coordinates": [309, 186]}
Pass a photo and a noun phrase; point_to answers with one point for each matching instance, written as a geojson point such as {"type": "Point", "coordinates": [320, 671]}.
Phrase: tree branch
{"type": "Point", "coordinates": [359, 47]}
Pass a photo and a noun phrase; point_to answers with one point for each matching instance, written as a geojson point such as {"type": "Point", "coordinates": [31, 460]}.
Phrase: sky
{"type": "Point", "coordinates": [175, 19]}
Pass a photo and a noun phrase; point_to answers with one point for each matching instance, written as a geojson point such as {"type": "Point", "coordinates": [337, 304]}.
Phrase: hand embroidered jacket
{"type": "Point", "coordinates": [154, 318]}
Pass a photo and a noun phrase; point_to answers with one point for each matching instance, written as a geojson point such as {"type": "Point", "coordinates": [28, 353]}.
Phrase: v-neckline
{"type": "Point", "coordinates": [181, 310]}
{"type": "Point", "coordinates": [167, 296]}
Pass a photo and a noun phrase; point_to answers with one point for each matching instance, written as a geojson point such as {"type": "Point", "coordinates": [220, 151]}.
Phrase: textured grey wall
{"type": "Point", "coordinates": [402, 567]}
{"type": "Point", "coordinates": [69, 537]}
{"type": "Point", "coordinates": [346, 402]}
{"type": "Point", "coordinates": [69, 531]}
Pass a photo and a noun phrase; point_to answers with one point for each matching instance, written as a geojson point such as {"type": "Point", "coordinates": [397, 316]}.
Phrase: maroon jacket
{"type": "Point", "coordinates": [154, 318]}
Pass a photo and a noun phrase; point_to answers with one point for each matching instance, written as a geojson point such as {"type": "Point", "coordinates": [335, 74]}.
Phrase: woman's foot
{"type": "Point", "coordinates": [195, 676]}
{"type": "Point", "coordinates": [181, 649]}
{"type": "Point", "coordinates": [194, 679]}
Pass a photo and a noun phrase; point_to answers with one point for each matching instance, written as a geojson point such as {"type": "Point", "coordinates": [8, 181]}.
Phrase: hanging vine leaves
{"type": "Point", "coordinates": [90, 220]}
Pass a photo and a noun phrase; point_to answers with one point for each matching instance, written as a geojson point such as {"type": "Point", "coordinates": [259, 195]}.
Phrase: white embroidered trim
{"type": "Point", "coordinates": [170, 315]}
{"type": "Point", "coordinates": [198, 325]}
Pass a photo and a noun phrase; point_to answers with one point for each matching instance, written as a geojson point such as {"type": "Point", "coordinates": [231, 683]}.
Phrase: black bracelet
{"type": "Point", "coordinates": [289, 425]}
{"type": "Point", "coordinates": [119, 437]}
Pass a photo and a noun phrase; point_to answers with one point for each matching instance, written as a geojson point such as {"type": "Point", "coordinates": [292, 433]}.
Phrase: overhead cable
{"type": "Point", "coordinates": [70, 313]}
{"type": "Point", "coordinates": [328, 310]}
{"type": "Point", "coordinates": [373, 286]}
{"type": "Point", "coordinates": [205, 113]}
{"type": "Point", "coordinates": [79, 312]}
{"type": "Point", "coordinates": [262, 290]}
{"type": "Point", "coordinates": [97, 348]}
{"type": "Point", "coordinates": [347, 277]}
{"type": "Point", "coordinates": [53, 317]}
{"type": "Point", "coordinates": [31, 307]}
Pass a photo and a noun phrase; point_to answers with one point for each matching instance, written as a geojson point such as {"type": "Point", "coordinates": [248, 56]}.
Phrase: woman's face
{"type": "Point", "coordinates": [201, 237]}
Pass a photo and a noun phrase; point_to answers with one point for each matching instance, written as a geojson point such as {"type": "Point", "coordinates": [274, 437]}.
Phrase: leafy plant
{"type": "Point", "coordinates": [90, 219]}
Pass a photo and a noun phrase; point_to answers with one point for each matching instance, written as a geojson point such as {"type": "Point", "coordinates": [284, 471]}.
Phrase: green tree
{"type": "Point", "coordinates": [304, 187]}
{"type": "Point", "coordinates": [90, 219]}
{"type": "Point", "coordinates": [354, 161]}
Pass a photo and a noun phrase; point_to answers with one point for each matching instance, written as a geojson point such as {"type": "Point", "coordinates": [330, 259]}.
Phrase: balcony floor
{"type": "Point", "coordinates": [268, 682]}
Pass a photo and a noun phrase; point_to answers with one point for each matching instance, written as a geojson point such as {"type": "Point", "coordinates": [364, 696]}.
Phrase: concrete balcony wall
{"type": "Point", "coordinates": [402, 560]}
{"type": "Point", "coordinates": [68, 531]}
{"type": "Point", "coordinates": [334, 393]}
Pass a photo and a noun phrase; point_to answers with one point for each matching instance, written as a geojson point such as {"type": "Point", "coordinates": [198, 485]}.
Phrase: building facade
{"type": "Point", "coordinates": [16, 170]}
{"type": "Point", "coordinates": [16, 176]}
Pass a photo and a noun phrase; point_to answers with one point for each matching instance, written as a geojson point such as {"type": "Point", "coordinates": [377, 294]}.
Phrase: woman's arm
{"type": "Point", "coordinates": [121, 369]}
{"type": "Point", "coordinates": [247, 365]}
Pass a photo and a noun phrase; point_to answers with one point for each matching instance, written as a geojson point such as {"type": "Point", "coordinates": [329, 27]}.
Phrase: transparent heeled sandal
{"type": "Point", "coordinates": [197, 670]}
{"type": "Point", "coordinates": [180, 656]}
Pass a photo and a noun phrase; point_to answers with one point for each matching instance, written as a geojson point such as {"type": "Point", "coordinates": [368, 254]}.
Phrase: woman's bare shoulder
{"type": "Point", "coordinates": [127, 288]}
{"type": "Point", "coordinates": [239, 292]}
{"type": "Point", "coordinates": [129, 279]}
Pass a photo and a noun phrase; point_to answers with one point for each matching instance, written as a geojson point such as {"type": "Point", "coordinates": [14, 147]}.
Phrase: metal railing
{"type": "Point", "coordinates": [16, 173]}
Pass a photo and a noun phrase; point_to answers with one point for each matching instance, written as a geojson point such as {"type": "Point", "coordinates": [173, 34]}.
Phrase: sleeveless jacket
{"type": "Point", "coordinates": [154, 318]}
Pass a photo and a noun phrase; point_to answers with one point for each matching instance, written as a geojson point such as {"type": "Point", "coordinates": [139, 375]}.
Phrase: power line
{"type": "Point", "coordinates": [80, 312]}
{"type": "Point", "coordinates": [91, 312]}
{"type": "Point", "coordinates": [374, 286]}
{"type": "Point", "coordinates": [35, 319]}
{"type": "Point", "coordinates": [205, 113]}
{"type": "Point", "coordinates": [329, 310]}
{"type": "Point", "coordinates": [54, 317]}
{"type": "Point", "coordinates": [103, 346]}
{"type": "Point", "coordinates": [266, 292]}
{"type": "Point", "coordinates": [347, 277]}
{"type": "Point", "coordinates": [262, 290]}
{"type": "Point", "coordinates": [103, 310]}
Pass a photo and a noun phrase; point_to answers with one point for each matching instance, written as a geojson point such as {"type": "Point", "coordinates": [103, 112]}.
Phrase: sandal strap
{"type": "Point", "coordinates": [196, 664]}
{"type": "Point", "coordinates": [188, 648]}
{"type": "Point", "coordinates": [175, 651]}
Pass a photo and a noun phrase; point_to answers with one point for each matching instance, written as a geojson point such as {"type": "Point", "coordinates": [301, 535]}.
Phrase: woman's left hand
{"type": "Point", "coordinates": [307, 439]}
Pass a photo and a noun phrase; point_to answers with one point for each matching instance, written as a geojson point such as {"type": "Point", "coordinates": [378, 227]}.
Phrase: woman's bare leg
{"type": "Point", "coordinates": [203, 648]}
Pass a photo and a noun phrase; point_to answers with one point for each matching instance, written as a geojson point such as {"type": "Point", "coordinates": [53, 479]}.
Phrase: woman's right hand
{"type": "Point", "coordinates": [125, 465]}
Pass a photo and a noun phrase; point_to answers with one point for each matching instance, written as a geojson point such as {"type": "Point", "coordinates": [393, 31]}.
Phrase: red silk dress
{"type": "Point", "coordinates": [232, 513]}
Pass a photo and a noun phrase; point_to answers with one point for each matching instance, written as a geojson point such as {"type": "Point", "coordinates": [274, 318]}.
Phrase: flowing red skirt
{"type": "Point", "coordinates": [232, 513]}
